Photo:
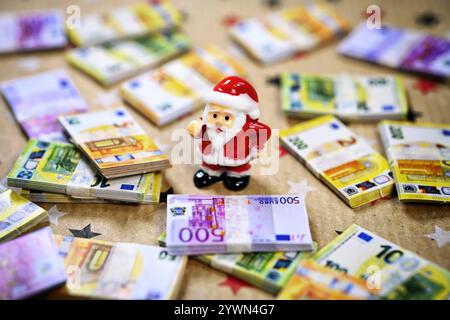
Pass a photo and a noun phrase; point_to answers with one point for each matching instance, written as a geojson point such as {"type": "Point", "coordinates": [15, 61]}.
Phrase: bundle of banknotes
{"type": "Point", "coordinates": [350, 97]}
{"type": "Point", "coordinates": [100, 269]}
{"type": "Point", "coordinates": [17, 215]}
{"type": "Point", "coordinates": [125, 22]}
{"type": "Point", "coordinates": [32, 30]}
{"type": "Point", "coordinates": [29, 265]}
{"type": "Point", "coordinates": [282, 34]}
{"type": "Point", "coordinates": [400, 48]}
{"type": "Point", "coordinates": [389, 271]}
{"type": "Point", "coordinates": [39, 99]}
{"type": "Point", "coordinates": [115, 143]}
{"type": "Point", "coordinates": [49, 197]}
{"type": "Point", "coordinates": [60, 168]}
{"type": "Point", "coordinates": [343, 161]}
{"type": "Point", "coordinates": [177, 88]}
{"type": "Point", "coordinates": [269, 271]}
{"type": "Point", "coordinates": [236, 224]}
{"type": "Point", "coordinates": [114, 61]}
{"type": "Point", "coordinates": [419, 156]}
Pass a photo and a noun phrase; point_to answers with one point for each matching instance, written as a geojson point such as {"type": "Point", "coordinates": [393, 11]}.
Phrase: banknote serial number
{"type": "Point", "coordinates": [279, 200]}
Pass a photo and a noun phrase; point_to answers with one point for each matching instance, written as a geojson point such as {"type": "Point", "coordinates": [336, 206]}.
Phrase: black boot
{"type": "Point", "coordinates": [236, 183]}
{"type": "Point", "coordinates": [202, 179]}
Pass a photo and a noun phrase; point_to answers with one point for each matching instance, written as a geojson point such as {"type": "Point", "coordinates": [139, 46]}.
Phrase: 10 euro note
{"type": "Point", "coordinates": [390, 272]}
{"type": "Point", "coordinates": [236, 224]}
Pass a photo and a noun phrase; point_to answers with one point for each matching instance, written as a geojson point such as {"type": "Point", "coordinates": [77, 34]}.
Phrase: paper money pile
{"type": "Point", "coordinates": [236, 224]}
{"type": "Point", "coordinates": [115, 143]}
{"type": "Point", "coordinates": [122, 270]}
{"type": "Point", "coordinates": [57, 167]}
{"type": "Point", "coordinates": [39, 99]}
{"type": "Point", "coordinates": [32, 30]}
{"type": "Point", "coordinates": [112, 62]}
{"type": "Point", "coordinates": [125, 22]}
{"type": "Point", "coordinates": [400, 48]}
{"type": "Point", "coordinates": [350, 97]}
{"type": "Point", "coordinates": [30, 265]}
{"type": "Point", "coordinates": [17, 214]}
{"type": "Point", "coordinates": [343, 161]}
{"type": "Point", "coordinates": [419, 155]}
{"type": "Point", "coordinates": [283, 34]}
{"type": "Point", "coordinates": [177, 88]}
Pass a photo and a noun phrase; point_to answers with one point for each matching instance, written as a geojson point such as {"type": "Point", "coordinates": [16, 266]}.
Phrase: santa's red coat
{"type": "Point", "coordinates": [238, 150]}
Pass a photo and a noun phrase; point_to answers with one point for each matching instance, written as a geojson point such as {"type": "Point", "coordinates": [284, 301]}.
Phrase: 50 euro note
{"type": "Point", "coordinates": [419, 155]}
{"type": "Point", "coordinates": [17, 214]}
{"type": "Point", "coordinates": [315, 282]}
{"type": "Point", "coordinates": [58, 167]}
{"type": "Point", "coordinates": [29, 265]}
{"type": "Point", "coordinates": [343, 161]}
{"type": "Point", "coordinates": [351, 97]}
{"type": "Point", "coordinates": [115, 143]}
{"type": "Point", "coordinates": [125, 22]}
{"type": "Point", "coordinates": [176, 89]}
{"type": "Point", "coordinates": [236, 224]}
{"type": "Point", "coordinates": [112, 62]}
{"type": "Point", "coordinates": [269, 271]}
{"type": "Point", "coordinates": [390, 272]}
{"type": "Point", "coordinates": [100, 269]}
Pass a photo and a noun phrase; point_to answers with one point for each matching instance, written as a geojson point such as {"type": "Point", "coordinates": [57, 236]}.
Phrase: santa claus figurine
{"type": "Point", "coordinates": [228, 135]}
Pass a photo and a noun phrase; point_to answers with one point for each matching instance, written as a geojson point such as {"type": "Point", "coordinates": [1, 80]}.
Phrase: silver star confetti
{"type": "Point", "coordinates": [54, 214]}
{"type": "Point", "coordinates": [442, 237]}
{"type": "Point", "coordinates": [301, 187]}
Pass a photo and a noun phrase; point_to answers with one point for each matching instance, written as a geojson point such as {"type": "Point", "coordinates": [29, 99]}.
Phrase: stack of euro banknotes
{"type": "Point", "coordinates": [78, 155]}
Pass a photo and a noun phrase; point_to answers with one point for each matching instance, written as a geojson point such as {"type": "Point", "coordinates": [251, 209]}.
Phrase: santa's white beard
{"type": "Point", "coordinates": [219, 139]}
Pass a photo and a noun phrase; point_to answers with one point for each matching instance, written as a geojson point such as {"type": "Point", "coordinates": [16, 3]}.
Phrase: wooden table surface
{"type": "Point", "coordinates": [404, 224]}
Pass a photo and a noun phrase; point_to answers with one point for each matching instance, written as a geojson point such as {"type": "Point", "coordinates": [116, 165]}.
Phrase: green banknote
{"type": "Point", "coordinates": [389, 270]}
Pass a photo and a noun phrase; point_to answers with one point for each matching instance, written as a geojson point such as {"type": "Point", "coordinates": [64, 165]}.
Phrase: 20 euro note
{"type": "Point", "coordinates": [17, 214]}
{"type": "Point", "coordinates": [345, 162]}
{"type": "Point", "coordinates": [389, 270]}
{"type": "Point", "coordinates": [39, 99]}
{"type": "Point", "coordinates": [101, 269]}
{"type": "Point", "coordinates": [269, 271]}
{"type": "Point", "coordinates": [351, 97]}
{"type": "Point", "coordinates": [314, 282]}
{"type": "Point", "coordinates": [30, 264]}
{"type": "Point", "coordinates": [58, 167]}
{"type": "Point", "coordinates": [236, 224]}
{"type": "Point", "coordinates": [419, 155]}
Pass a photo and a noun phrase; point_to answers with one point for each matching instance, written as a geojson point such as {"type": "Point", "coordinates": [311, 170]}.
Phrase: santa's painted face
{"type": "Point", "coordinates": [220, 117]}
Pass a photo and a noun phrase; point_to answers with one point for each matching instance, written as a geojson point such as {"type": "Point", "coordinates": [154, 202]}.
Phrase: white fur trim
{"type": "Point", "coordinates": [214, 173]}
{"type": "Point", "coordinates": [228, 162]}
{"type": "Point", "coordinates": [238, 174]}
{"type": "Point", "coordinates": [242, 102]}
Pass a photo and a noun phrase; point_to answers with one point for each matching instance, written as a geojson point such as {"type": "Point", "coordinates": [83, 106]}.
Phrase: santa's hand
{"type": "Point", "coordinates": [194, 127]}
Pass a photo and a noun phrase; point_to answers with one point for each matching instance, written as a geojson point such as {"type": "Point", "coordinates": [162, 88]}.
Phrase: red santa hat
{"type": "Point", "coordinates": [236, 93]}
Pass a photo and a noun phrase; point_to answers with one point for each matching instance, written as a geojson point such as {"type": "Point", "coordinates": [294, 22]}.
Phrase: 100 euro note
{"type": "Point", "coordinates": [351, 97]}
{"type": "Point", "coordinates": [269, 271]}
{"type": "Point", "coordinates": [30, 264]}
{"type": "Point", "coordinates": [419, 155]}
{"type": "Point", "coordinates": [390, 271]}
{"type": "Point", "coordinates": [17, 214]}
{"type": "Point", "coordinates": [315, 282]}
{"type": "Point", "coordinates": [177, 88]}
{"type": "Point", "coordinates": [101, 269]}
{"type": "Point", "coordinates": [115, 143]}
{"type": "Point", "coordinates": [236, 224]}
{"type": "Point", "coordinates": [58, 167]}
{"type": "Point", "coordinates": [345, 162]}
{"type": "Point", "coordinates": [39, 99]}
{"type": "Point", "coordinates": [112, 62]}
